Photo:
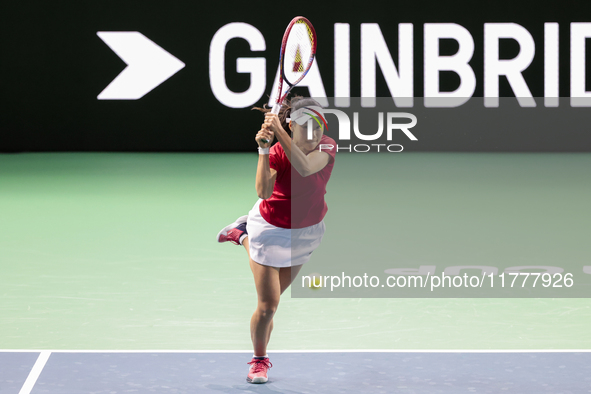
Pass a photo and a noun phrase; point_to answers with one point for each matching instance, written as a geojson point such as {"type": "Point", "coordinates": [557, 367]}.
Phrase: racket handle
{"type": "Point", "coordinates": [275, 111]}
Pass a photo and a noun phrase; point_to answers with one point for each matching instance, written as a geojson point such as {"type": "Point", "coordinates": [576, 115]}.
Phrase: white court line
{"type": "Point", "coordinates": [35, 372]}
{"type": "Point", "coordinates": [307, 351]}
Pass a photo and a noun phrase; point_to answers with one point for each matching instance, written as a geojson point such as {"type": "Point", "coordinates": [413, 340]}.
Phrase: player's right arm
{"type": "Point", "coordinates": [266, 176]}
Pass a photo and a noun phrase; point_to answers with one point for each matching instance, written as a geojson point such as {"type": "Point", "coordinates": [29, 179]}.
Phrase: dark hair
{"type": "Point", "coordinates": [290, 105]}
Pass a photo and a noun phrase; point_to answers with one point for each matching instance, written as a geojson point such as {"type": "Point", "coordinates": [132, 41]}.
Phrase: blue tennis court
{"type": "Point", "coordinates": [297, 372]}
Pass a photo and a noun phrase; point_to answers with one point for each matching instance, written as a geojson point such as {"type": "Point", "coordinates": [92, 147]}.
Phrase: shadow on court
{"type": "Point", "coordinates": [249, 388]}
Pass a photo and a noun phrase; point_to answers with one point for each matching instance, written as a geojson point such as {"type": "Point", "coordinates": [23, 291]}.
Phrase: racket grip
{"type": "Point", "coordinates": [275, 110]}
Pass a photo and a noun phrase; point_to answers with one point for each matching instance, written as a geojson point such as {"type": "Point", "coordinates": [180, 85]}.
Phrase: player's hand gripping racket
{"type": "Point", "coordinates": [298, 49]}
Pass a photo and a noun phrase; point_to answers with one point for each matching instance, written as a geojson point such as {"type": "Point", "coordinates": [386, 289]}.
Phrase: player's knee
{"type": "Point", "coordinates": [267, 310]}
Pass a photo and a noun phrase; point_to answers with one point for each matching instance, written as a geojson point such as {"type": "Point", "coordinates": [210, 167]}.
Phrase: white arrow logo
{"type": "Point", "coordinates": [148, 65]}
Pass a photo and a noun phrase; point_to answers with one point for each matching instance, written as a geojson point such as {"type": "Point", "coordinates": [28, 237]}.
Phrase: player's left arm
{"type": "Point", "coordinates": [316, 161]}
{"type": "Point", "coordinates": [305, 165]}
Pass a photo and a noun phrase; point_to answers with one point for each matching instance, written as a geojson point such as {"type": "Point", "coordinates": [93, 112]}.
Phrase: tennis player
{"type": "Point", "coordinates": [286, 224]}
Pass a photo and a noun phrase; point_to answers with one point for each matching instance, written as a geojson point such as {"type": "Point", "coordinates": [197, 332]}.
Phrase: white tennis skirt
{"type": "Point", "coordinates": [280, 247]}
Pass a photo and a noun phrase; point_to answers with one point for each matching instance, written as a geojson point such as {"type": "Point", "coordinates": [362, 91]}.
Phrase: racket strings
{"type": "Point", "coordinates": [298, 49]}
{"type": "Point", "coordinates": [299, 53]}
{"type": "Point", "coordinates": [310, 33]}
{"type": "Point", "coordinates": [298, 64]}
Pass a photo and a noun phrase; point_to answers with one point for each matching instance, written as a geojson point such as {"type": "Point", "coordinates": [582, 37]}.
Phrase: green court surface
{"type": "Point", "coordinates": [118, 251]}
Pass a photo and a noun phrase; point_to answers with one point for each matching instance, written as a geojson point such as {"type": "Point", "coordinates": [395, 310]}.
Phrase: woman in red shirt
{"type": "Point", "coordinates": [286, 224]}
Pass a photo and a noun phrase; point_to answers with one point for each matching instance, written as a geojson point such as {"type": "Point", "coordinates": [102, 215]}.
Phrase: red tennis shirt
{"type": "Point", "coordinates": [297, 201]}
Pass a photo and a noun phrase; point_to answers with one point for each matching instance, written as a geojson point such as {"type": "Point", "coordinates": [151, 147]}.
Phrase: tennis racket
{"type": "Point", "coordinates": [298, 49]}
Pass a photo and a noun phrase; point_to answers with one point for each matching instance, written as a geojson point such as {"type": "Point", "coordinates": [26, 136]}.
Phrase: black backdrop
{"type": "Point", "coordinates": [53, 65]}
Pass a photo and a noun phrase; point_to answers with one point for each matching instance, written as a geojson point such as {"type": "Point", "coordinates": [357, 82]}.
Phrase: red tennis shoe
{"type": "Point", "coordinates": [258, 370]}
{"type": "Point", "coordinates": [234, 232]}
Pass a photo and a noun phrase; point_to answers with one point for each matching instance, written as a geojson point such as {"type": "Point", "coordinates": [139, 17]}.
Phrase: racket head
{"type": "Point", "coordinates": [298, 50]}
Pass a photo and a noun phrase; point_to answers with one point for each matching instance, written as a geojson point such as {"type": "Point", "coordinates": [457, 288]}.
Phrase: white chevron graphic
{"type": "Point", "coordinates": [148, 65]}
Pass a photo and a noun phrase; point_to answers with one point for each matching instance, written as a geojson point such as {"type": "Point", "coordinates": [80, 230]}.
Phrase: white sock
{"type": "Point", "coordinates": [265, 356]}
{"type": "Point", "coordinates": [242, 238]}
